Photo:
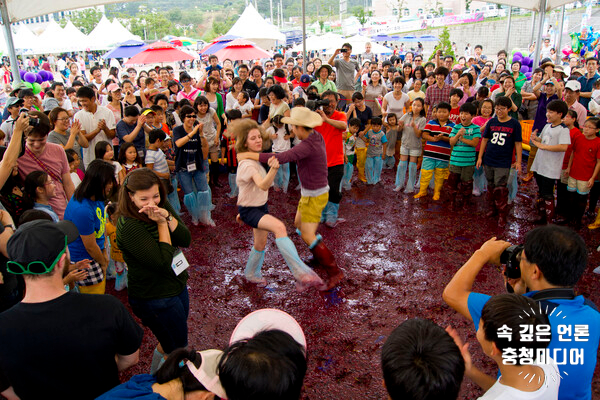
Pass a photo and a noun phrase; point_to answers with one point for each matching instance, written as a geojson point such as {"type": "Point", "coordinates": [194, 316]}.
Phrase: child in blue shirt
{"type": "Point", "coordinates": [376, 148]}
{"type": "Point", "coordinates": [350, 152]}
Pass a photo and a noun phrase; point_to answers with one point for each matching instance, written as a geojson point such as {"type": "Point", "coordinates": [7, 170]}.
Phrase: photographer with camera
{"type": "Point", "coordinates": [545, 268]}
{"type": "Point", "coordinates": [347, 70]}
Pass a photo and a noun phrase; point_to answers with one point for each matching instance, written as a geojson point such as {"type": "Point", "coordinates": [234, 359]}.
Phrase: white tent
{"type": "Point", "coordinates": [79, 41]}
{"type": "Point", "coordinates": [252, 26]}
{"type": "Point", "coordinates": [25, 41]}
{"type": "Point", "coordinates": [319, 43]}
{"type": "Point", "coordinates": [102, 37]}
{"type": "Point", "coordinates": [53, 40]}
{"type": "Point", "coordinates": [358, 45]}
{"type": "Point", "coordinates": [122, 33]}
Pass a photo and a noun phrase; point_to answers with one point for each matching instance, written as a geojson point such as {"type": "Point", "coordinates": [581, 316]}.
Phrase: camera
{"type": "Point", "coordinates": [511, 258]}
{"type": "Point", "coordinates": [32, 121]}
{"type": "Point", "coordinates": [312, 105]}
{"type": "Point", "coordinates": [343, 50]}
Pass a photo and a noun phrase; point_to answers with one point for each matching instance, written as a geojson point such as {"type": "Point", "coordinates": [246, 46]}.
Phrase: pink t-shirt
{"type": "Point", "coordinates": [479, 121]}
{"type": "Point", "coordinates": [55, 158]}
{"type": "Point", "coordinates": [191, 96]}
{"type": "Point", "coordinates": [250, 195]}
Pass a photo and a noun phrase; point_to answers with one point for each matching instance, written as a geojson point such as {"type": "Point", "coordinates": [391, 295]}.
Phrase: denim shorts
{"type": "Point", "coordinates": [166, 318]}
{"type": "Point", "coordinates": [252, 215]}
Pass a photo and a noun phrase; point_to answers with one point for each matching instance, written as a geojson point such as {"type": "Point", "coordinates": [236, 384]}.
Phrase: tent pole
{"type": "Point", "coordinates": [560, 31]}
{"type": "Point", "coordinates": [538, 44]}
{"type": "Point", "coordinates": [506, 47]}
{"type": "Point", "coordinates": [271, 5]}
{"type": "Point", "coordinates": [532, 27]}
{"type": "Point", "coordinates": [304, 61]}
{"type": "Point", "coordinates": [14, 63]}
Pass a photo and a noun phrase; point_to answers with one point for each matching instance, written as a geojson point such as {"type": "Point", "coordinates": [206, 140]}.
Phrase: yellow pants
{"type": "Point", "coordinates": [98, 288]}
{"type": "Point", "coordinates": [361, 158]}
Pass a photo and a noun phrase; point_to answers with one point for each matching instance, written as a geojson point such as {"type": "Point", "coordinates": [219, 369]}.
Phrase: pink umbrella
{"type": "Point", "coordinates": [240, 49]}
{"type": "Point", "coordinates": [159, 52]}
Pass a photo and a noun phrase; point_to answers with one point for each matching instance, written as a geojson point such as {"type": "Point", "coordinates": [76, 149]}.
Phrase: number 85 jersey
{"type": "Point", "coordinates": [501, 138]}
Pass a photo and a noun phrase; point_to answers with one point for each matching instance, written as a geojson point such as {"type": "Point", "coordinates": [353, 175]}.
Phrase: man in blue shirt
{"type": "Point", "coordinates": [131, 129]}
{"type": "Point", "coordinates": [587, 81]}
{"type": "Point", "coordinates": [552, 261]}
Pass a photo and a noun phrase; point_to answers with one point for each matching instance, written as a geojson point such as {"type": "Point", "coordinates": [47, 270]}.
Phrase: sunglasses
{"type": "Point", "coordinates": [34, 267]}
{"type": "Point", "coordinates": [189, 116]}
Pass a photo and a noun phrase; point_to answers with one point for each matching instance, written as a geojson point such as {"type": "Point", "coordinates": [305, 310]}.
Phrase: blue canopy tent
{"type": "Point", "coordinates": [126, 49]}
{"type": "Point", "coordinates": [217, 44]}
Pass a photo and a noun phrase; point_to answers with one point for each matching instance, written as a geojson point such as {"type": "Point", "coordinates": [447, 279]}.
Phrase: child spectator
{"type": "Point", "coordinates": [129, 160]}
{"type": "Point", "coordinates": [455, 96]}
{"type": "Point", "coordinates": [583, 168]}
{"type": "Point", "coordinates": [464, 140]}
{"type": "Point", "coordinates": [74, 162]}
{"type": "Point", "coordinates": [552, 144]}
{"type": "Point", "coordinates": [160, 118]}
{"type": "Point", "coordinates": [421, 361]}
{"type": "Point", "coordinates": [484, 114]}
{"type": "Point", "coordinates": [265, 103]}
{"type": "Point", "coordinates": [436, 154]}
{"type": "Point", "coordinates": [39, 189]}
{"type": "Point", "coordinates": [412, 125]}
{"type": "Point", "coordinates": [391, 133]}
{"type": "Point", "coordinates": [104, 151]}
{"type": "Point", "coordinates": [501, 138]}
{"type": "Point", "coordinates": [280, 134]}
{"type": "Point", "coordinates": [244, 105]}
{"type": "Point", "coordinates": [115, 254]}
{"type": "Point", "coordinates": [228, 152]}
{"type": "Point", "coordinates": [562, 213]}
{"type": "Point", "coordinates": [359, 110]}
{"type": "Point", "coordinates": [377, 143]}
{"type": "Point", "coordinates": [349, 152]}
{"type": "Point", "coordinates": [156, 160]}
{"type": "Point", "coordinates": [502, 334]}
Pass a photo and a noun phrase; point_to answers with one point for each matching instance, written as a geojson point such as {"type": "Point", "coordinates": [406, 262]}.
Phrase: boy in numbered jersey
{"type": "Point", "coordinates": [501, 138]}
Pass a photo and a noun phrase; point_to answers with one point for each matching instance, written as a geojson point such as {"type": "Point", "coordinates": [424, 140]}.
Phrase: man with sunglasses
{"type": "Point", "coordinates": [57, 344]}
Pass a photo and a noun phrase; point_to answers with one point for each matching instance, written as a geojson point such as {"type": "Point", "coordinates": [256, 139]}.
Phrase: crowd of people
{"type": "Point", "coordinates": [94, 172]}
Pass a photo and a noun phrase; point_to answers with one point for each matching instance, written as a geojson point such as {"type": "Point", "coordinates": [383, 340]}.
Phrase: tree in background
{"type": "Point", "coordinates": [361, 15]}
{"type": "Point", "coordinates": [444, 44]}
{"type": "Point", "coordinates": [86, 20]}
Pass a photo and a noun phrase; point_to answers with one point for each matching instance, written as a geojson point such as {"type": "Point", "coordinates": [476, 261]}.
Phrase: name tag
{"type": "Point", "coordinates": [179, 263]}
{"type": "Point", "coordinates": [191, 167]}
{"type": "Point", "coordinates": [141, 153]}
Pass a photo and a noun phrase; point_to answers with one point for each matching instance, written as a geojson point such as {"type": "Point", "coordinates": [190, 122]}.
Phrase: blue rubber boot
{"type": "Point", "coordinates": [412, 174]}
{"type": "Point", "coordinates": [325, 212]}
{"type": "Point", "coordinates": [348, 171]}
{"type": "Point", "coordinates": [233, 185]}
{"type": "Point", "coordinates": [211, 206]}
{"type": "Point", "coordinates": [305, 277]}
{"type": "Point", "coordinates": [389, 162]}
{"type": "Point", "coordinates": [513, 185]}
{"type": "Point", "coordinates": [205, 206]}
{"type": "Point", "coordinates": [254, 266]}
{"type": "Point", "coordinates": [173, 197]}
{"type": "Point", "coordinates": [285, 177]}
{"type": "Point", "coordinates": [377, 168]}
{"type": "Point", "coordinates": [191, 203]}
{"type": "Point", "coordinates": [332, 217]}
{"type": "Point", "coordinates": [400, 175]}
{"type": "Point", "coordinates": [369, 170]}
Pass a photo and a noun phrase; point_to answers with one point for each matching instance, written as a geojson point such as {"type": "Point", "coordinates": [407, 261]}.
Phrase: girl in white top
{"type": "Point", "coordinates": [211, 129]}
{"type": "Point", "coordinates": [253, 183]}
{"type": "Point", "coordinates": [244, 105]}
{"type": "Point", "coordinates": [280, 135]}
{"type": "Point", "coordinates": [394, 101]}
{"type": "Point", "coordinates": [231, 97]}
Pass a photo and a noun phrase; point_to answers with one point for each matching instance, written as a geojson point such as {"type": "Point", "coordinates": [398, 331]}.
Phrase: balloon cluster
{"type": "Point", "coordinates": [33, 80]}
{"type": "Point", "coordinates": [584, 43]}
{"type": "Point", "coordinates": [526, 62]}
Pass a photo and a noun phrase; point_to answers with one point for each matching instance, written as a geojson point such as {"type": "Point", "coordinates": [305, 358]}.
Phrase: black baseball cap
{"type": "Point", "coordinates": [40, 240]}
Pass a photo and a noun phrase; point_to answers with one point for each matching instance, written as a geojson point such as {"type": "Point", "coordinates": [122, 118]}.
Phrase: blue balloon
{"type": "Point", "coordinates": [29, 77]}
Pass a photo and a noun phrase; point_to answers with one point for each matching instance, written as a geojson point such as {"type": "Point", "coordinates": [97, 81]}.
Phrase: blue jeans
{"type": "Point", "coordinates": [188, 179]}
{"type": "Point", "coordinates": [166, 318]}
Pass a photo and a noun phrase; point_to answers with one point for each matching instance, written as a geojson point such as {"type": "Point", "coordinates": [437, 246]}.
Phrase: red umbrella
{"type": "Point", "coordinates": [159, 52]}
{"type": "Point", "coordinates": [240, 49]}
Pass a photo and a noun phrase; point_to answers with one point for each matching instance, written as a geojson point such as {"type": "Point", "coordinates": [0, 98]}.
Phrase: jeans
{"type": "Point", "coordinates": [166, 318]}
{"type": "Point", "coordinates": [188, 179]}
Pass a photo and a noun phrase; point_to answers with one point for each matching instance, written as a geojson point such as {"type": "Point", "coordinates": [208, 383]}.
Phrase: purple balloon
{"type": "Point", "coordinates": [29, 77]}
{"type": "Point", "coordinates": [50, 76]}
{"type": "Point", "coordinates": [38, 78]}
{"type": "Point", "coordinates": [44, 75]}
{"type": "Point", "coordinates": [517, 58]}
{"type": "Point", "coordinates": [527, 61]}
{"type": "Point", "coordinates": [524, 69]}
{"type": "Point", "coordinates": [22, 74]}
{"type": "Point", "coordinates": [518, 54]}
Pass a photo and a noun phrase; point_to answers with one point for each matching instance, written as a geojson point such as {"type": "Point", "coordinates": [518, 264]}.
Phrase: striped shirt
{"type": "Point", "coordinates": [438, 150]}
{"type": "Point", "coordinates": [157, 157]}
{"type": "Point", "coordinates": [464, 155]}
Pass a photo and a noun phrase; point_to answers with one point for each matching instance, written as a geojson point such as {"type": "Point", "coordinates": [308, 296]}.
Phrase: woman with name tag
{"type": "Point", "coordinates": [149, 234]}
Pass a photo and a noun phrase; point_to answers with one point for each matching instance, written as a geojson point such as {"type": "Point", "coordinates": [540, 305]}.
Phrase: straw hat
{"type": "Point", "coordinates": [302, 116]}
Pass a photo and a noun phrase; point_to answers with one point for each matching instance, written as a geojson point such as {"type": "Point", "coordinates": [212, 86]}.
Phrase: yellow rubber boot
{"type": "Point", "coordinates": [361, 157]}
{"type": "Point", "coordinates": [426, 175]}
{"type": "Point", "coordinates": [596, 223]}
{"type": "Point", "coordinates": [440, 175]}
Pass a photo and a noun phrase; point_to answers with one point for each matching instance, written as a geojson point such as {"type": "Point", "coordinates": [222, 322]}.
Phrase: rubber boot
{"type": "Point", "coordinates": [191, 203]}
{"type": "Point", "coordinates": [214, 174]}
{"type": "Point", "coordinates": [426, 175]}
{"type": "Point", "coordinates": [361, 157]}
{"type": "Point", "coordinates": [412, 174]}
{"type": "Point", "coordinates": [369, 170]}
{"type": "Point", "coordinates": [252, 272]}
{"type": "Point", "coordinates": [578, 209]}
{"type": "Point", "coordinates": [233, 185]}
{"type": "Point", "coordinates": [562, 201]}
{"type": "Point", "coordinates": [540, 208]}
{"type": "Point", "coordinates": [452, 190]}
{"type": "Point", "coordinates": [549, 210]}
{"type": "Point", "coordinates": [285, 178]}
{"type": "Point", "coordinates": [479, 182]}
{"type": "Point", "coordinates": [501, 199]}
{"type": "Point", "coordinates": [173, 197]}
{"type": "Point", "coordinates": [348, 171]}
{"type": "Point", "coordinates": [331, 219]}
{"type": "Point", "coordinates": [513, 185]}
{"type": "Point", "coordinates": [440, 174]}
{"type": "Point", "coordinates": [492, 212]}
{"type": "Point", "coordinates": [278, 181]}
{"type": "Point", "coordinates": [401, 175]}
{"type": "Point", "coordinates": [596, 223]}
{"type": "Point", "coordinates": [205, 207]}
{"type": "Point", "coordinates": [593, 201]}
{"type": "Point", "coordinates": [325, 212]}
{"type": "Point", "coordinates": [466, 188]}
{"type": "Point", "coordinates": [326, 260]}
{"type": "Point", "coordinates": [305, 277]}
{"type": "Point", "coordinates": [377, 168]}
{"type": "Point", "coordinates": [158, 359]}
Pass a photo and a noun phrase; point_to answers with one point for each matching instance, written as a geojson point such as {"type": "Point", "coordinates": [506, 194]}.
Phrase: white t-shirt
{"type": "Point", "coordinates": [548, 390]}
{"type": "Point", "coordinates": [89, 122]}
{"type": "Point", "coordinates": [549, 163]}
{"type": "Point", "coordinates": [280, 144]}
{"type": "Point", "coordinates": [245, 109]}
{"type": "Point", "coordinates": [396, 106]}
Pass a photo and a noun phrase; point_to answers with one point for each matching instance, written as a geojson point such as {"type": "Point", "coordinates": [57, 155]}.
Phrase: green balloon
{"type": "Point", "coordinates": [28, 85]}
{"type": "Point", "coordinates": [36, 88]}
